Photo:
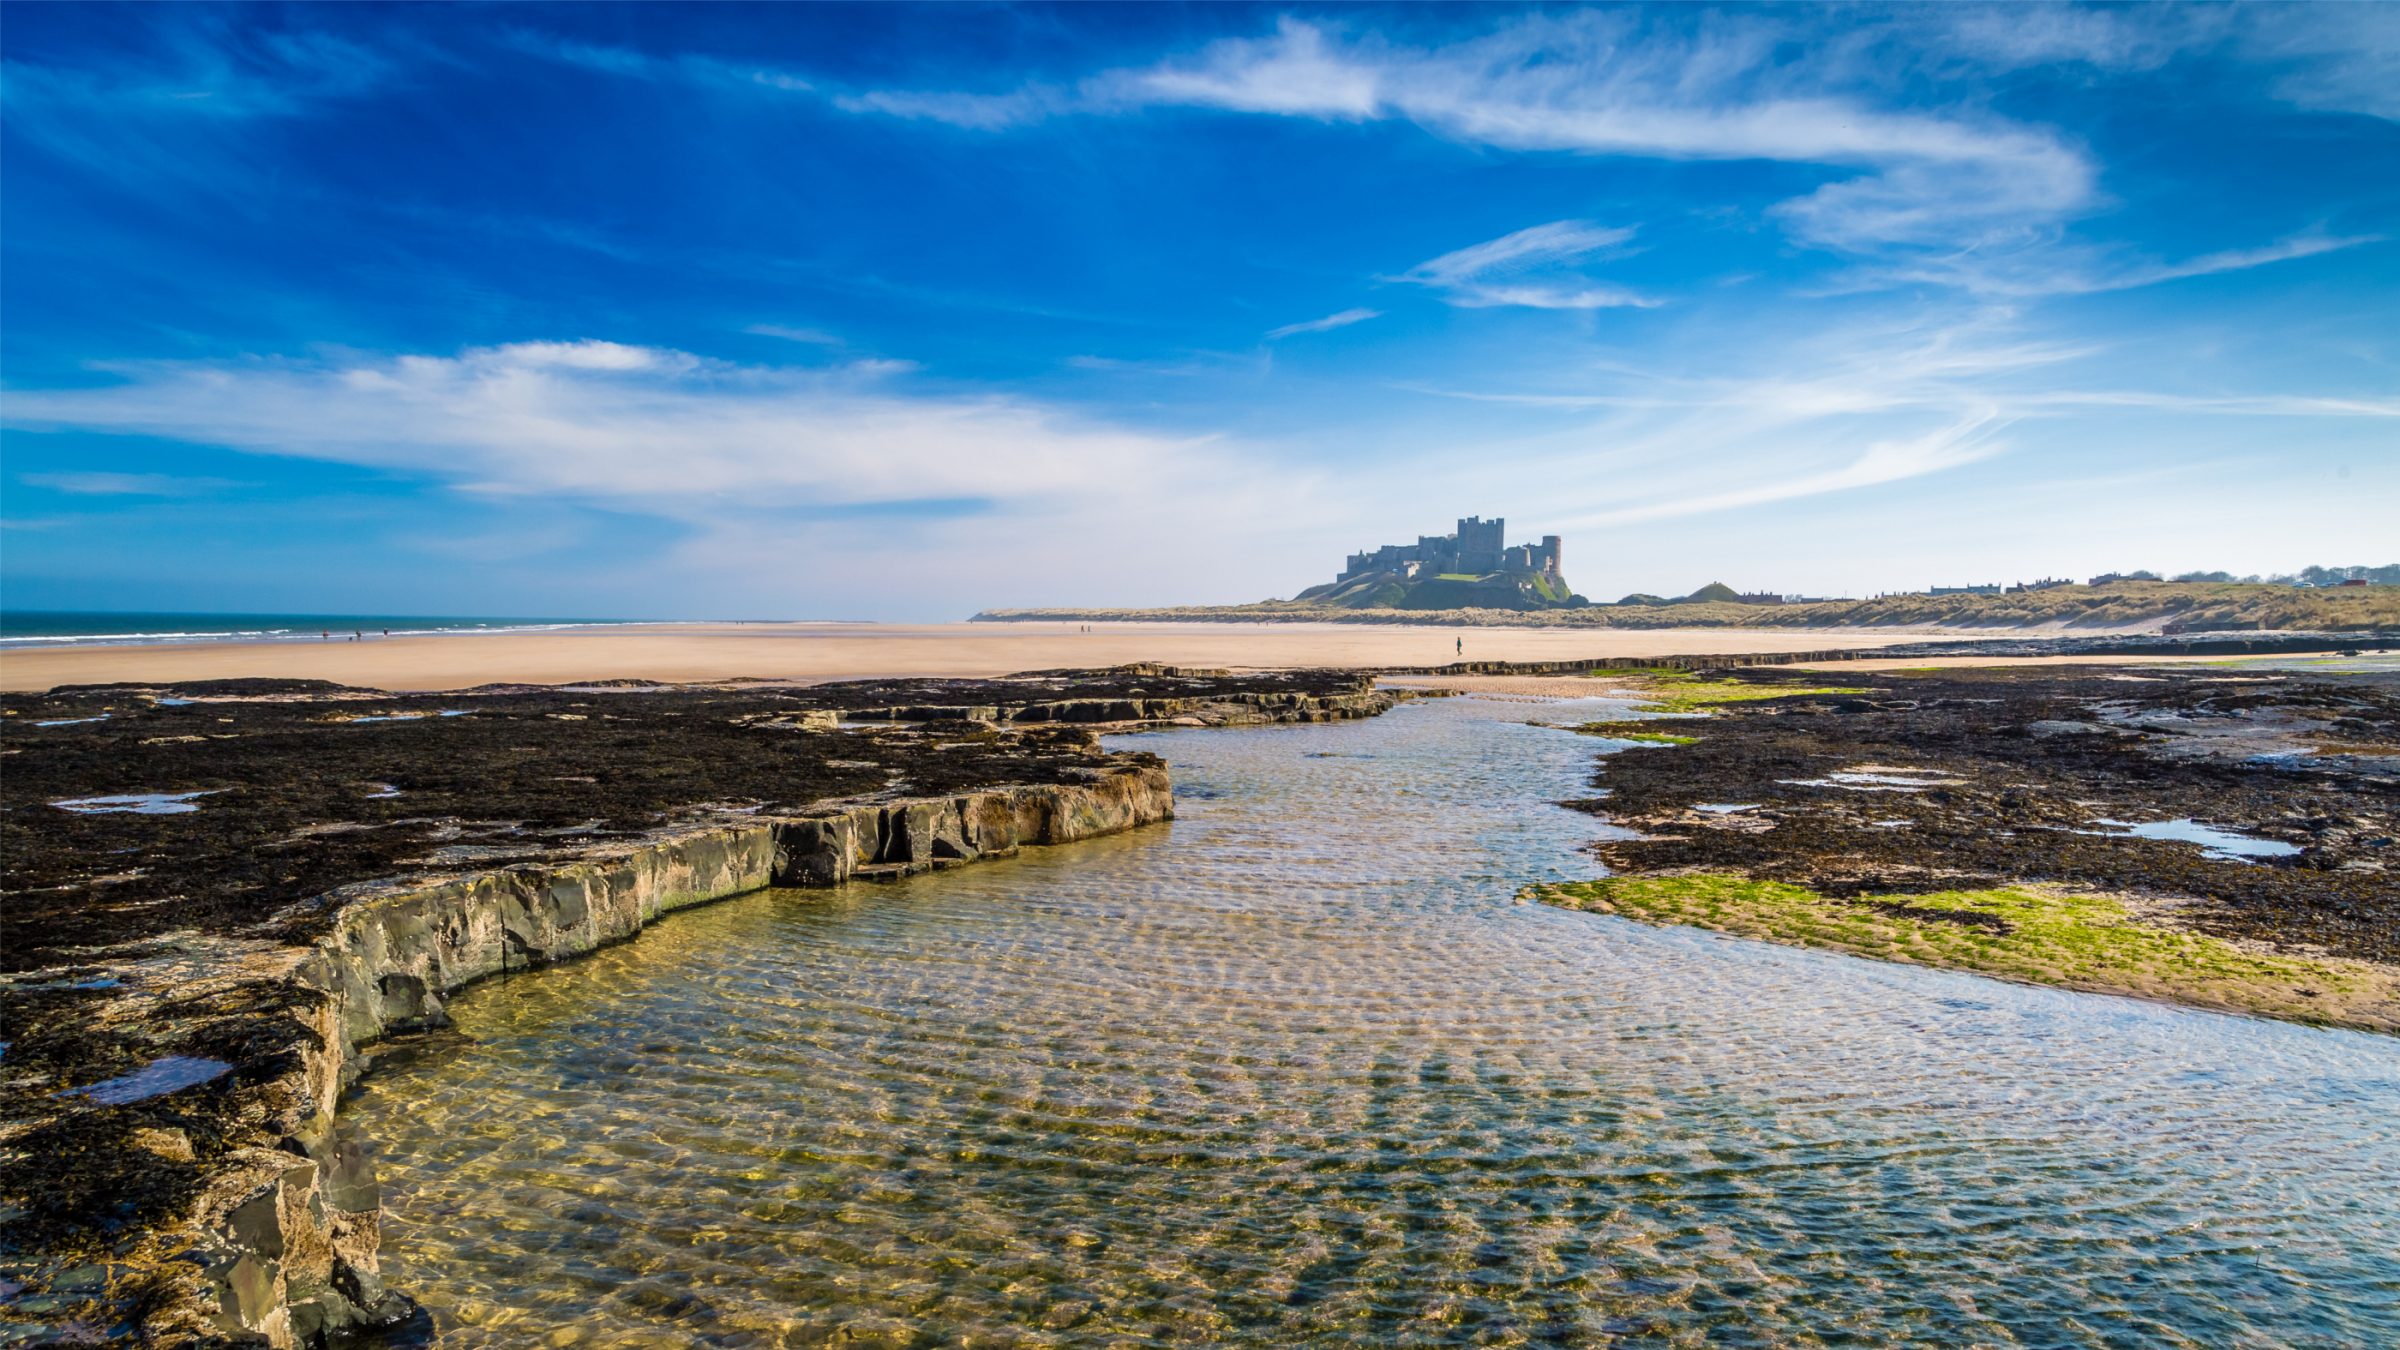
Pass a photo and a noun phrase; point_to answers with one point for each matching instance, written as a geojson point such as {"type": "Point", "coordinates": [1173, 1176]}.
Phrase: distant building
{"type": "Point", "coordinates": [1993, 589]}
{"type": "Point", "coordinates": [2353, 581]}
{"type": "Point", "coordinates": [2045, 584]}
{"type": "Point", "coordinates": [1758, 598]}
{"type": "Point", "coordinates": [1477, 549]}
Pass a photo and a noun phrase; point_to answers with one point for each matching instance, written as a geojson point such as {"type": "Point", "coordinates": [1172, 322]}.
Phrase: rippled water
{"type": "Point", "coordinates": [1295, 1070]}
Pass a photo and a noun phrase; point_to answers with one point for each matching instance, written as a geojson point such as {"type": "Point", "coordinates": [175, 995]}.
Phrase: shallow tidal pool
{"type": "Point", "coordinates": [1297, 1070]}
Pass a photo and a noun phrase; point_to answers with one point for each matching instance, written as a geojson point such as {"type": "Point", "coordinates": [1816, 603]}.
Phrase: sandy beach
{"type": "Point", "coordinates": [833, 651]}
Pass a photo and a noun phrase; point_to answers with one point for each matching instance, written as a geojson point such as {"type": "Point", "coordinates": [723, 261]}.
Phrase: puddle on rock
{"type": "Point", "coordinates": [155, 1079]}
{"type": "Point", "coordinates": [2223, 845]}
{"type": "Point", "coordinates": [1869, 778]}
{"type": "Point", "coordinates": [138, 803]}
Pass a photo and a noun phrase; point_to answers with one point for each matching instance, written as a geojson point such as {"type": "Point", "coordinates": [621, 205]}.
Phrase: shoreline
{"type": "Point", "coordinates": [807, 653]}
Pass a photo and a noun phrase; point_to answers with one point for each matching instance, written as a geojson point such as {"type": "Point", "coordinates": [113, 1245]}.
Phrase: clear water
{"type": "Point", "coordinates": [1296, 1071]}
{"type": "Point", "coordinates": [173, 1073]}
{"type": "Point", "coordinates": [139, 803]}
{"type": "Point", "coordinates": [2214, 842]}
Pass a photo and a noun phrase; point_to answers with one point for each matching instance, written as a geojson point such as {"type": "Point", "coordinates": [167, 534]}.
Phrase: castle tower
{"type": "Point", "coordinates": [1551, 562]}
{"type": "Point", "coordinates": [1481, 543]}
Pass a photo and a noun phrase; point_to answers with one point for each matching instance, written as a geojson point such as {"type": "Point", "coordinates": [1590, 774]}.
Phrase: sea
{"type": "Point", "coordinates": [30, 628]}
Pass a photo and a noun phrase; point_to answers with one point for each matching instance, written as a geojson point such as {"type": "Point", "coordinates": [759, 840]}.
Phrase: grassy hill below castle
{"type": "Point", "coordinates": [1513, 591]}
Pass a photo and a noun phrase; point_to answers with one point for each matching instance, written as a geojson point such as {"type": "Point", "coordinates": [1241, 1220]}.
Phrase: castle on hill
{"type": "Point", "coordinates": [1472, 568]}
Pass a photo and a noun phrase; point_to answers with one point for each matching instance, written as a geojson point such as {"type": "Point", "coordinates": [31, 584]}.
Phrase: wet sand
{"type": "Point", "coordinates": [834, 651]}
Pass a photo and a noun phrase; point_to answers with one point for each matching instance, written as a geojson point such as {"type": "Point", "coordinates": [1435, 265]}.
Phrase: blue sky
{"type": "Point", "coordinates": [904, 311]}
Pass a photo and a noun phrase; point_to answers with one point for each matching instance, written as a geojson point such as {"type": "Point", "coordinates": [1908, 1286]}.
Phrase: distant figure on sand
{"type": "Point", "coordinates": [1462, 646]}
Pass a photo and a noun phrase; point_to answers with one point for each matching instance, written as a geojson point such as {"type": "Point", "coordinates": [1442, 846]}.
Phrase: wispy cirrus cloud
{"type": "Point", "coordinates": [1594, 83]}
{"type": "Point", "coordinates": [1921, 194]}
{"type": "Point", "coordinates": [2070, 270]}
{"type": "Point", "coordinates": [1854, 409]}
{"type": "Point", "coordinates": [787, 333]}
{"type": "Point", "coordinates": [1327, 324]}
{"type": "Point", "coordinates": [186, 110]}
{"type": "Point", "coordinates": [1555, 242]}
{"type": "Point", "coordinates": [1529, 268]}
{"type": "Point", "coordinates": [633, 63]}
{"type": "Point", "coordinates": [2332, 58]}
{"type": "Point", "coordinates": [1973, 436]}
{"type": "Point", "coordinates": [974, 112]}
{"type": "Point", "coordinates": [102, 483]}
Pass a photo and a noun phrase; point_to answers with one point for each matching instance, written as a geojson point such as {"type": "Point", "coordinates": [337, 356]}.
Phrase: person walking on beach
{"type": "Point", "coordinates": [1462, 646]}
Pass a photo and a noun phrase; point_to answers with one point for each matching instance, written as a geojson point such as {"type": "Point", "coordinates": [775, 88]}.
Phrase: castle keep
{"type": "Point", "coordinates": [1474, 568]}
{"type": "Point", "coordinates": [1476, 550]}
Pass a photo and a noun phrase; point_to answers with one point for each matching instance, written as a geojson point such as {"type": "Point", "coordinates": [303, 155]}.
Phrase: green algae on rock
{"type": "Point", "coordinates": [1685, 691]}
{"type": "Point", "coordinates": [2033, 933]}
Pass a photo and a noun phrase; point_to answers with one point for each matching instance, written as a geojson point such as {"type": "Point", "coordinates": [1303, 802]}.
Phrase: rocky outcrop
{"type": "Point", "coordinates": [187, 993]}
{"type": "Point", "coordinates": [281, 1251]}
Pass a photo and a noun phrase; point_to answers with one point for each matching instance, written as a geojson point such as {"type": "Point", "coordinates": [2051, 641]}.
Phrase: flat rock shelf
{"type": "Point", "coordinates": [220, 894]}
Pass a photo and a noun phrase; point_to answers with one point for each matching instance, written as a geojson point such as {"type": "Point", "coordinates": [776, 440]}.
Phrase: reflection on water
{"type": "Point", "coordinates": [1296, 1070]}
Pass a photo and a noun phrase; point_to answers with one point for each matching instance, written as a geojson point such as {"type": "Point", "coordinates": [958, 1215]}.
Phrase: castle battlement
{"type": "Point", "coordinates": [1476, 549]}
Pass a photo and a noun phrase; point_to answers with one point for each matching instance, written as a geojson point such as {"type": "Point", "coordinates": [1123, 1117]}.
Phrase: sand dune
{"type": "Point", "coordinates": [831, 651]}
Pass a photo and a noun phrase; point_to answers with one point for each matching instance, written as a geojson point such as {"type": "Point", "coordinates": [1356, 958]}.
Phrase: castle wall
{"type": "Point", "coordinates": [1478, 547]}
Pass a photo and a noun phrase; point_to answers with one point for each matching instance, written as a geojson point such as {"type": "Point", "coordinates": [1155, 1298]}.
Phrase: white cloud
{"type": "Point", "coordinates": [1295, 72]}
{"type": "Point", "coordinates": [1956, 196]}
{"type": "Point", "coordinates": [1551, 297]}
{"type": "Point", "coordinates": [630, 63]}
{"type": "Point", "coordinates": [1824, 412]}
{"type": "Point", "coordinates": [636, 428]}
{"type": "Point", "coordinates": [102, 483]}
{"type": "Point", "coordinates": [2235, 260]}
{"type": "Point", "coordinates": [974, 112]}
{"type": "Point", "coordinates": [1593, 83]}
{"type": "Point", "coordinates": [815, 336]}
{"type": "Point", "coordinates": [2070, 270]}
{"type": "Point", "coordinates": [1528, 268]}
{"type": "Point", "coordinates": [1325, 325]}
{"type": "Point", "coordinates": [1891, 460]}
{"type": "Point", "coordinates": [588, 355]}
{"type": "Point", "coordinates": [2335, 58]}
{"type": "Point", "coordinates": [1555, 242]}
{"type": "Point", "coordinates": [2019, 36]}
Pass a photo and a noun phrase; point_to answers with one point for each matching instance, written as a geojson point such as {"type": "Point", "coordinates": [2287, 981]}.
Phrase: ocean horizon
{"type": "Point", "coordinates": [80, 627]}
